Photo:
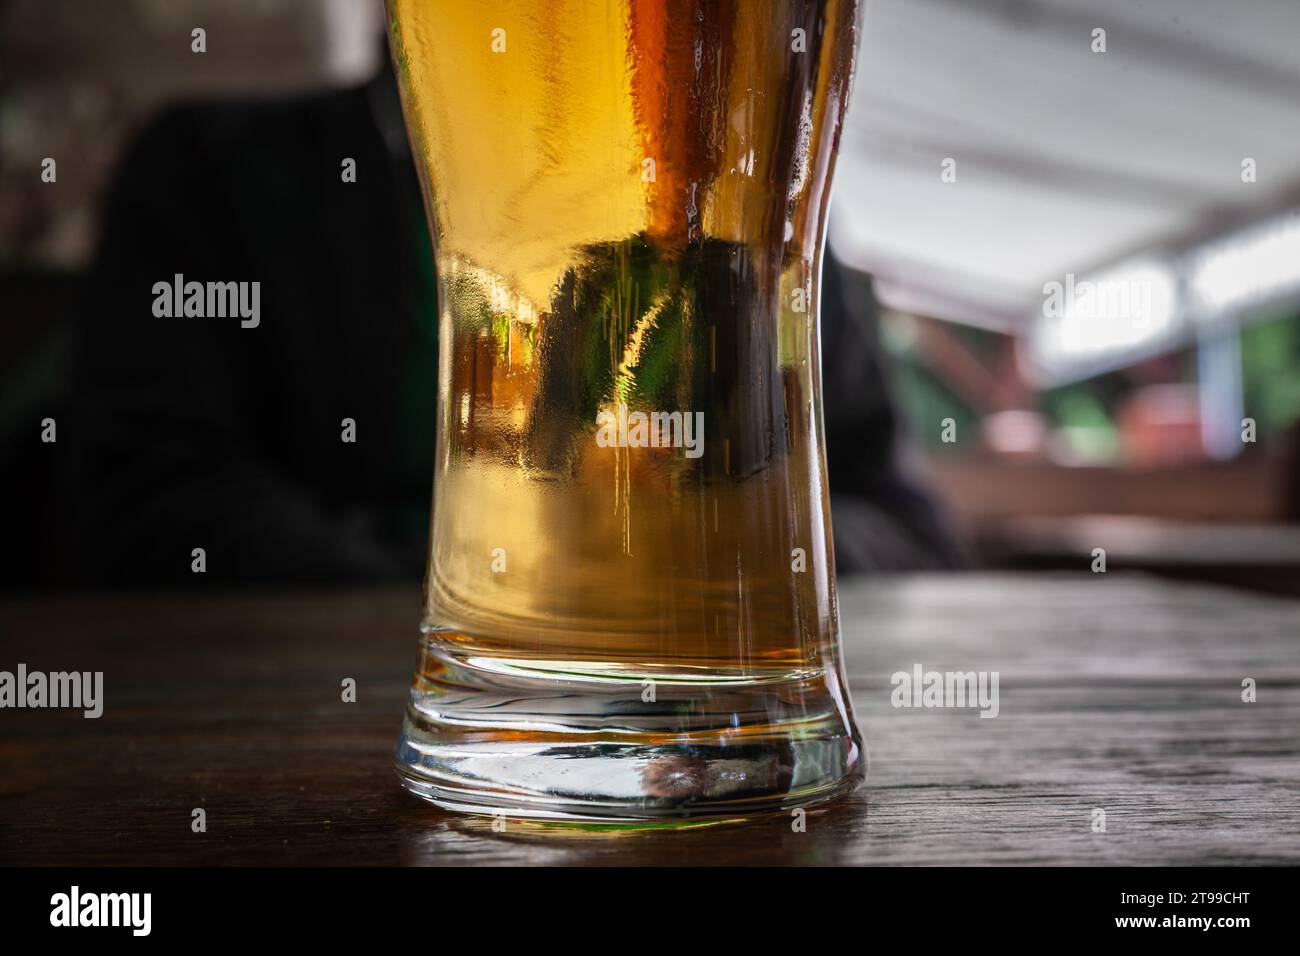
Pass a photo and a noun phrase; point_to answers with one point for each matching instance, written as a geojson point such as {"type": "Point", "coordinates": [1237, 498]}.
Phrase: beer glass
{"type": "Point", "coordinates": [630, 608]}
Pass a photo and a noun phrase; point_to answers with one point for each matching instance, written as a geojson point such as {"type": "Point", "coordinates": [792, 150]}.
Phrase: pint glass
{"type": "Point", "coordinates": [630, 606]}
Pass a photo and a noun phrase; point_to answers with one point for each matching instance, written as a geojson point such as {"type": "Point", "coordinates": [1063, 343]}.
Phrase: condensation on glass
{"type": "Point", "coordinates": [629, 604]}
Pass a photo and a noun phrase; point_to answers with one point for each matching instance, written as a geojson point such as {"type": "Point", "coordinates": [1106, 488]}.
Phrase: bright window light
{"type": "Point", "coordinates": [1249, 269]}
{"type": "Point", "coordinates": [1091, 323]}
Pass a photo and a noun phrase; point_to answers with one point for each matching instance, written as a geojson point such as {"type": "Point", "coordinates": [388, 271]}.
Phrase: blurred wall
{"type": "Point", "coordinates": [78, 76]}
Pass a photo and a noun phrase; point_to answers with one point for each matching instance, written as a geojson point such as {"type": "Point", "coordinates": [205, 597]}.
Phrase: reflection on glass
{"type": "Point", "coordinates": [630, 609]}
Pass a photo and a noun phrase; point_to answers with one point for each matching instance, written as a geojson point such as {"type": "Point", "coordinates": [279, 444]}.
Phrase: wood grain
{"type": "Point", "coordinates": [1120, 693]}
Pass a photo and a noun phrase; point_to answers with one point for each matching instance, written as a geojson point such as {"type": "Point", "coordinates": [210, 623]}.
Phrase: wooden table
{"type": "Point", "coordinates": [1117, 693]}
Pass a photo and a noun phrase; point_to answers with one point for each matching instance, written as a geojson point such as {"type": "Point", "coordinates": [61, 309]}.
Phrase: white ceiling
{"type": "Point", "coordinates": [1066, 159]}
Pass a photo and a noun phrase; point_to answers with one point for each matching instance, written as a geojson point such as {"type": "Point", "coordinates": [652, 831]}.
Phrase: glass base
{"type": "Point", "coordinates": [549, 745]}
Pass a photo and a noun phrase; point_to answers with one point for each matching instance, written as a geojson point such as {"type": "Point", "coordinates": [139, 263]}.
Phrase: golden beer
{"type": "Point", "coordinates": [629, 603]}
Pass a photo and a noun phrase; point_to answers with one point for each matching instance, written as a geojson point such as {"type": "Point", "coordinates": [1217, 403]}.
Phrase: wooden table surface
{"type": "Point", "coordinates": [1118, 693]}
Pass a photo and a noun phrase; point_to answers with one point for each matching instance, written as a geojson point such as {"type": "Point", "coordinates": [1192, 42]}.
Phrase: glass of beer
{"type": "Point", "coordinates": [630, 609]}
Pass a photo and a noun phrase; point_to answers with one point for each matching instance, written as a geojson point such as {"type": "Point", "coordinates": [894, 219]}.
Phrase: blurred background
{"type": "Point", "coordinates": [1085, 246]}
